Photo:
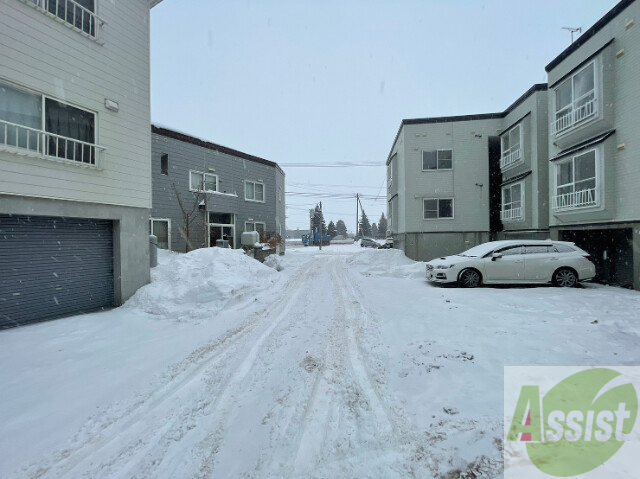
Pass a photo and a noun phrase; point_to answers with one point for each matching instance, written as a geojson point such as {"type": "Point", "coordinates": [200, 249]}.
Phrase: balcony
{"type": "Point", "coordinates": [32, 142]}
{"type": "Point", "coordinates": [71, 13]}
{"type": "Point", "coordinates": [511, 214]}
{"type": "Point", "coordinates": [576, 199]}
{"type": "Point", "coordinates": [574, 116]}
{"type": "Point", "coordinates": [510, 158]}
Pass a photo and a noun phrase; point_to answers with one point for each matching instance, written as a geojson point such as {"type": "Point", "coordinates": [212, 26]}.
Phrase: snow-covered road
{"type": "Point", "coordinates": [318, 372]}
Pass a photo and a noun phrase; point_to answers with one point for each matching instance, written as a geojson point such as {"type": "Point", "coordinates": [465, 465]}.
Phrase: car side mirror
{"type": "Point", "coordinates": [496, 256]}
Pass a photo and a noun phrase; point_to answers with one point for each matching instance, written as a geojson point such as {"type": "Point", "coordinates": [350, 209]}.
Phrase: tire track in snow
{"type": "Point", "coordinates": [131, 431]}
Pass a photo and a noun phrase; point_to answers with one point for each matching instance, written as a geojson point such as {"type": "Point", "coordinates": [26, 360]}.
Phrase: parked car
{"type": "Point", "coordinates": [514, 262]}
{"type": "Point", "coordinates": [387, 245]}
{"type": "Point", "coordinates": [369, 243]}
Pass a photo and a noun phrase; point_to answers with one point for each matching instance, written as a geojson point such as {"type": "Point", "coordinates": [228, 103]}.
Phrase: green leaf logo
{"type": "Point", "coordinates": [585, 423]}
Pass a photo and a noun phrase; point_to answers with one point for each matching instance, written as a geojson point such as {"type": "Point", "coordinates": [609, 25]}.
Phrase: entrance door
{"type": "Point", "coordinates": [221, 226]}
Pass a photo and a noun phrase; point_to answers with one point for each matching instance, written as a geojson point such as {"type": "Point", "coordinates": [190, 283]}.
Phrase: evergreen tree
{"type": "Point", "coordinates": [341, 228]}
{"type": "Point", "coordinates": [382, 227]}
{"type": "Point", "coordinates": [374, 230]}
{"type": "Point", "coordinates": [318, 219]}
{"type": "Point", "coordinates": [365, 226]}
{"type": "Point", "coordinates": [331, 230]}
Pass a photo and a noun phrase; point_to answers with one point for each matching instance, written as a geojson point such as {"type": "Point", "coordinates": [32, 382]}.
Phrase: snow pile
{"type": "Point", "coordinates": [386, 262]}
{"type": "Point", "coordinates": [196, 285]}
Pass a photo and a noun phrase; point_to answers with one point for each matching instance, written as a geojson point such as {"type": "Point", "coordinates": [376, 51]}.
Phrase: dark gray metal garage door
{"type": "Point", "coordinates": [52, 267]}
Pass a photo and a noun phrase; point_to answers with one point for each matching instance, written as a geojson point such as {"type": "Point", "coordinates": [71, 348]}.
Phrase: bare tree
{"type": "Point", "coordinates": [190, 213]}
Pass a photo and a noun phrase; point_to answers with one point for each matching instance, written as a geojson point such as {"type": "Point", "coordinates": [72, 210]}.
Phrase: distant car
{"type": "Point", "coordinates": [369, 243]}
{"type": "Point", "coordinates": [387, 245]}
{"type": "Point", "coordinates": [514, 262]}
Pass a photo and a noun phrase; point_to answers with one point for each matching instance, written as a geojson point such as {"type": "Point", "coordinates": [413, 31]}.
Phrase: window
{"type": "Point", "coordinates": [164, 164]}
{"type": "Point", "coordinates": [438, 208]}
{"type": "Point", "coordinates": [390, 214]}
{"type": "Point", "coordinates": [279, 194]}
{"type": "Point", "coordinates": [78, 14]}
{"type": "Point", "coordinates": [511, 141]}
{"type": "Point", "coordinates": [253, 191]}
{"type": "Point", "coordinates": [512, 200]}
{"type": "Point", "coordinates": [390, 170]}
{"type": "Point", "coordinates": [437, 160]}
{"type": "Point", "coordinates": [46, 126]}
{"type": "Point", "coordinates": [258, 226]}
{"type": "Point", "coordinates": [203, 182]}
{"type": "Point", "coordinates": [538, 249]}
{"type": "Point", "coordinates": [510, 251]}
{"type": "Point", "coordinates": [576, 182]}
{"type": "Point", "coordinates": [575, 99]}
{"type": "Point", "coordinates": [161, 228]}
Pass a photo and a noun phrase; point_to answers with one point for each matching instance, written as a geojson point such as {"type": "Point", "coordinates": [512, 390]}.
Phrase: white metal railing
{"type": "Point", "coordinates": [510, 158]}
{"type": "Point", "coordinates": [576, 199]}
{"type": "Point", "coordinates": [574, 115]}
{"type": "Point", "coordinates": [23, 139]}
{"type": "Point", "coordinates": [511, 214]}
{"type": "Point", "coordinates": [72, 13]}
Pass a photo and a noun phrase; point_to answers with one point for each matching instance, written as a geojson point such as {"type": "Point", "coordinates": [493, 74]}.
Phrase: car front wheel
{"type": "Point", "coordinates": [469, 278]}
{"type": "Point", "coordinates": [565, 278]}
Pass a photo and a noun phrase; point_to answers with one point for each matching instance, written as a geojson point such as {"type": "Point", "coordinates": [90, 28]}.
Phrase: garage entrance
{"type": "Point", "coordinates": [612, 251]}
{"type": "Point", "coordinates": [52, 267]}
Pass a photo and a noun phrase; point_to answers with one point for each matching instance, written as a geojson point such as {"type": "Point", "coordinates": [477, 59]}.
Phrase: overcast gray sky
{"type": "Point", "coordinates": [330, 81]}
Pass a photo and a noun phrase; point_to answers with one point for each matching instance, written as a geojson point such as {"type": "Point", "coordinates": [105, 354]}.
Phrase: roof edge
{"type": "Point", "coordinates": [176, 135]}
{"type": "Point", "coordinates": [582, 39]}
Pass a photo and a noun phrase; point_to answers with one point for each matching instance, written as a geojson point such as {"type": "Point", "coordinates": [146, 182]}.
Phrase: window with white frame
{"type": "Point", "coordinates": [511, 150]}
{"type": "Point", "coordinates": [512, 202]}
{"type": "Point", "coordinates": [45, 126]}
{"type": "Point", "coordinates": [577, 181]}
{"type": "Point", "coordinates": [390, 214]}
{"type": "Point", "coordinates": [78, 14]}
{"type": "Point", "coordinates": [576, 99]}
{"type": "Point", "coordinates": [390, 170]}
{"type": "Point", "coordinates": [254, 191]}
{"type": "Point", "coordinates": [203, 182]}
{"type": "Point", "coordinates": [161, 228]}
{"type": "Point", "coordinates": [437, 160]}
{"type": "Point", "coordinates": [258, 226]}
{"type": "Point", "coordinates": [437, 208]}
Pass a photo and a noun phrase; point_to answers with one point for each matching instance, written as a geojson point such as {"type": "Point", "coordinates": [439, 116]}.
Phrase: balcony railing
{"type": "Point", "coordinates": [71, 13]}
{"type": "Point", "coordinates": [575, 199]}
{"type": "Point", "coordinates": [574, 116]}
{"type": "Point", "coordinates": [510, 158]}
{"type": "Point", "coordinates": [30, 141]}
{"type": "Point", "coordinates": [511, 214]}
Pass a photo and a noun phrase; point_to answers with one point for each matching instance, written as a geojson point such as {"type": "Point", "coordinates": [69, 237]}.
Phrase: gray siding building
{"type": "Point", "coordinates": [75, 149]}
{"type": "Point", "coordinates": [223, 192]}
{"type": "Point", "coordinates": [455, 182]}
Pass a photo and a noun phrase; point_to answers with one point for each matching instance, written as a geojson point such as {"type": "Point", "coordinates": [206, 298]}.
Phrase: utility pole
{"type": "Point", "coordinates": [357, 203]}
{"type": "Point", "coordinates": [320, 227]}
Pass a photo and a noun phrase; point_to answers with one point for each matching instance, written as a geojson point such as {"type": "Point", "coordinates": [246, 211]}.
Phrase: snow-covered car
{"type": "Point", "coordinates": [514, 262]}
{"type": "Point", "coordinates": [369, 243]}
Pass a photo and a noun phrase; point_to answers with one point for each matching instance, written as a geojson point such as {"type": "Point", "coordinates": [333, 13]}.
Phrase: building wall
{"type": "Point", "coordinates": [232, 172]}
{"type": "Point", "coordinates": [43, 55]}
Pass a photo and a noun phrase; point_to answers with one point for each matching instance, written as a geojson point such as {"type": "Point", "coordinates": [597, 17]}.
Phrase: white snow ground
{"type": "Point", "coordinates": [345, 363]}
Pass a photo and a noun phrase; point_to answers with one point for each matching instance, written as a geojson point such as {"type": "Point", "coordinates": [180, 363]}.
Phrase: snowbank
{"type": "Point", "coordinates": [386, 262]}
{"type": "Point", "coordinates": [196, 285]}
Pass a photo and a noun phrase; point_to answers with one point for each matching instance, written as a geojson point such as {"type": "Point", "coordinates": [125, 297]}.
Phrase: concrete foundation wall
{"type": "Point", "coordinates": [427, 246]}
{"type": "Point", "coordinates": [130, 230]}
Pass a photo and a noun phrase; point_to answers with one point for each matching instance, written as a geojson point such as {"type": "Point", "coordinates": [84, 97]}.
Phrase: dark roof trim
{"type": "Point", "coordinates": [481, 116]}
{"type": "Point", "coordinates": [525, 95]}
{"type": "Point", "coordinates": [582, 39]}
{"type": "Point", "coordinates": [515, 179]}
{"type": "Point", "coordinates": [515, 123]}
{"type": "Point", "coordinates": [585, 144]}
{"type": "Point", "coordinates": [582, 64]}
{"type": "Point", "coordinates": [176, 135]}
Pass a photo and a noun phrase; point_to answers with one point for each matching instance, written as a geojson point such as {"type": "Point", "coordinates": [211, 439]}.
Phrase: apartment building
{"type": "Point", "coordinates": [594, 146]}
{"type": "Point", "coordinates": [75, 149]}
{"type": "Point", "coordinates": [204, 192]}
{"type": "Point", "coordinates": [455, 182]}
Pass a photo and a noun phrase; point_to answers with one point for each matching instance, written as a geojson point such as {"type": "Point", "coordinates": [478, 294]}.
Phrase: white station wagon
{"type": "Point", "coordinates": [515, 262]}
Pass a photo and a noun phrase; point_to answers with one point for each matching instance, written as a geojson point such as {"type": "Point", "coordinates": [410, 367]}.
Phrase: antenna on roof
{"type": "Point", "coordinates": [573, 30]}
